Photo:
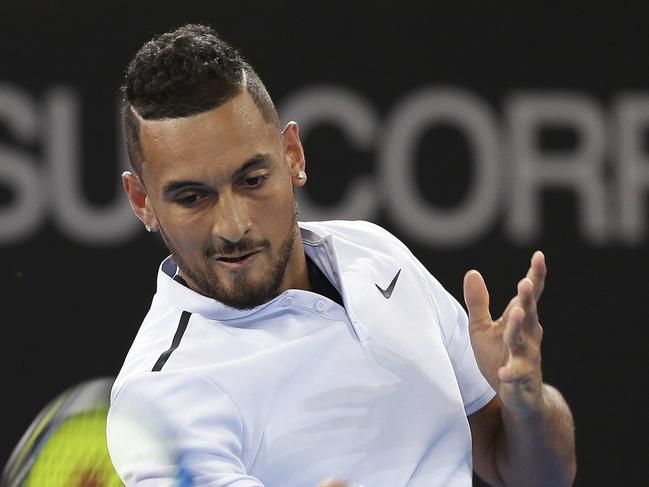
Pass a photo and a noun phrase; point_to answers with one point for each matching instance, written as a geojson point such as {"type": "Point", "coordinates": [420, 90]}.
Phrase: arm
{"type": "Point", "coordinates": [170, 429]}
{"type": "Point", "coordinates": [504, 455]}
{"type": "Point", "coordinates": [159, 423]}
{"type": "Point", "coordinates": [524, 436]}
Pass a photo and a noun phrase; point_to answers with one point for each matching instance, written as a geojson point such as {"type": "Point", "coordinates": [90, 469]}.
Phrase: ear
{"type": "Point", "coordinates": [139, 200]}
{"type": "Point", "coordinates": [294, 152]}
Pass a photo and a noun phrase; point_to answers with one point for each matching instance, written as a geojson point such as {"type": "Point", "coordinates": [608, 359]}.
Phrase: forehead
{"type": "Point", "coordinates": [218, 140]}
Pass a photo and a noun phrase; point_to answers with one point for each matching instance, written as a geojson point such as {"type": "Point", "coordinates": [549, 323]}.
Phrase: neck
{"type": "Point", "coordinates": [297, 276]}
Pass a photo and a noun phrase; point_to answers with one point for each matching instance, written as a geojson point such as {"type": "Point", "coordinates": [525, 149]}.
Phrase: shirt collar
{"type": "Point", "coordinates": [180, 296]}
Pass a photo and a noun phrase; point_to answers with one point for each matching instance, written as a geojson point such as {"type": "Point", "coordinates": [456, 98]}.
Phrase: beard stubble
{"type": "Point", "coordinates": [242, 293]}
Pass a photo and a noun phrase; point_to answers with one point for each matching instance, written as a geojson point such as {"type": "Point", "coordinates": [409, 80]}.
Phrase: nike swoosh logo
{"type": "Point", "coordinates": [388, 291]}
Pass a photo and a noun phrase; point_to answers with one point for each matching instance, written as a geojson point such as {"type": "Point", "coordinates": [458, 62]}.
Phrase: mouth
{"type": "Point", "coordinates": [237, 261]}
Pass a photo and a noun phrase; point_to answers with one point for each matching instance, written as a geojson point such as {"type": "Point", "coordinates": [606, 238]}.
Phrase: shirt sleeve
{"type": "Point", "coordinates": [167, 429]}
{"type": "Point", "coordinates": [474, 388]}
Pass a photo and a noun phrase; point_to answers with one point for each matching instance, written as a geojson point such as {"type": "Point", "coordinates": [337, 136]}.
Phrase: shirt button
{"type": "Point", "coordinates": [320, 306]}
{"type": "Point", "coordinates": [287, 301]}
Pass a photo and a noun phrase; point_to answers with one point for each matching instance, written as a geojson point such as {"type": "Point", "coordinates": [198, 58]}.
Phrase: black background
{"type": "Point", "coordinates": [70, 310]}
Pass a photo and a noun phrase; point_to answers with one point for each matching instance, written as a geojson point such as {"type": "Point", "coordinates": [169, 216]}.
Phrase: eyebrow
{"type": "Point", "coordinates": [258, 160]}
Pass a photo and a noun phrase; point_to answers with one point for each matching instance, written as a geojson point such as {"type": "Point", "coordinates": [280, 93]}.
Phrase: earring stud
{"type": "Point", "coordinates": [148, 228]}
{"type": "Point", "coordinates": [301, 175]}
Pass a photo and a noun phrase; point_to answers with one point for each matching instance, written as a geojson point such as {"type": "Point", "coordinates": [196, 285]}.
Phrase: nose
{"type": "Point", "coordinates": [230, 220]}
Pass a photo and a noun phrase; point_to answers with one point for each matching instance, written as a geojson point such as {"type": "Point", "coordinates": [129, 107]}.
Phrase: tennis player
{"type": "Point", "coordinates": [283, 353]}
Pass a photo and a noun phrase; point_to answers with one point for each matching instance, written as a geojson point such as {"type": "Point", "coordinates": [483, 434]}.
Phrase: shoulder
{"type": "Point", "coordinates": [344, 227]}
{"type": "Point", "coordinates": [154, 337]}
{"type": "Point", "coordinates": [358, 240]}
{"type": "Point", "coordinates": [360, 233]}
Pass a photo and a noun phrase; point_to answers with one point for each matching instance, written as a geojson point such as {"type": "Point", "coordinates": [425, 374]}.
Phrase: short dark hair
{"type": "Point", "coordinates": [185, 72]}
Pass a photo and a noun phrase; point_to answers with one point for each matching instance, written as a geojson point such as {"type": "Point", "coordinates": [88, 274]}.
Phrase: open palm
{"type": "Point", "coordinates": [508, 350]}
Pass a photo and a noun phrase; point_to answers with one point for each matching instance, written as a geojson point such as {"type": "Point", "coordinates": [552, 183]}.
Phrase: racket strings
{"type": "Point", "coordinates": [75, 455]}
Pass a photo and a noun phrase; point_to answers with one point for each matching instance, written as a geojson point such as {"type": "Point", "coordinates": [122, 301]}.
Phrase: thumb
{"type": "Point", "coordinates": [476, 298]}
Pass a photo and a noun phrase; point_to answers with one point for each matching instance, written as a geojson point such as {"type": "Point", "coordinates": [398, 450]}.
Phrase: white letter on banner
{"type": "Point", "coordinates": [532, 170]}
{"type": "Point", "coordinates": [409, 209]}
{"type": "Point", "coordinates": [97, 226]}
{"type": "Point", "coordinates": [357, 119]}
{"type": "Point", "coordinates": [632, 114]}
{"type": "Point", "coordinates": [18, 169]}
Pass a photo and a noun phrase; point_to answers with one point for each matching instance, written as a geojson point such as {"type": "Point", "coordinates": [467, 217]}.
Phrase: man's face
{"type": "Point", "coordinates": [220, 187]}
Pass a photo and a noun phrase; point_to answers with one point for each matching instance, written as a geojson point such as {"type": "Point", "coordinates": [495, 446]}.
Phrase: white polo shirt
{"type": "Point", "coordinates": [302, 389]}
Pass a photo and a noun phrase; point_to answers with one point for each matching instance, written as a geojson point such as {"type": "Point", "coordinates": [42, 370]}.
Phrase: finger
{"type": "Point", "coordinates": [516, 370]}
{"type": "Point", "coordinates": [513, 335]}
{"type": "Point", "coordinates": [523, 370]}
{"type": "Point", "coordinates": [476, 298]}
{"type": "Point", "coordinates": [527, 302]}
{"type": "Point", "coordinates": [507, 374]}
{"type": "Point", "coordinates": [537, 272]}
{"type": "Point", "coordinates": [512, 302]}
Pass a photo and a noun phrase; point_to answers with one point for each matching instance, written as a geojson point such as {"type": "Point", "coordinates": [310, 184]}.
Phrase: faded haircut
{"type": "Point", "coordinates": [181, 73]}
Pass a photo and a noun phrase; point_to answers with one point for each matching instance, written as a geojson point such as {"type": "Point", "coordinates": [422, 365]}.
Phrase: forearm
{"type": "Point", "coordinates": [538, 450]}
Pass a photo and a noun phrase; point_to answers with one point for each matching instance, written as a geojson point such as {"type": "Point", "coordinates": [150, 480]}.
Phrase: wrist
{"type": "Point", "coordinates": [529, 411]}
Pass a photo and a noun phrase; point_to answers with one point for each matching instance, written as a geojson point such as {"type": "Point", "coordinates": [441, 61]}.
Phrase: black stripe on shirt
{"type": "Point", "coordinates": [180, 331]}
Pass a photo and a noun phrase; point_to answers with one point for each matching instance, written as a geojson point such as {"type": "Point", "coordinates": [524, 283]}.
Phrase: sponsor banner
{"type": "Point", "coordinates": [476, 132]}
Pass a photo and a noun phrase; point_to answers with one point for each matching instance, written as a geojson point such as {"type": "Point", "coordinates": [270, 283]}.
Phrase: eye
{"type": "Point", "coordinates": [189, 199]}
{"type": "Point", "coordinates": [255, 181]}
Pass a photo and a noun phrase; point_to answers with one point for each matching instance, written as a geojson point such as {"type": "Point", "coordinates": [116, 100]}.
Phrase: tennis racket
{"type": "Point", "coordinates": [66, 444]}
